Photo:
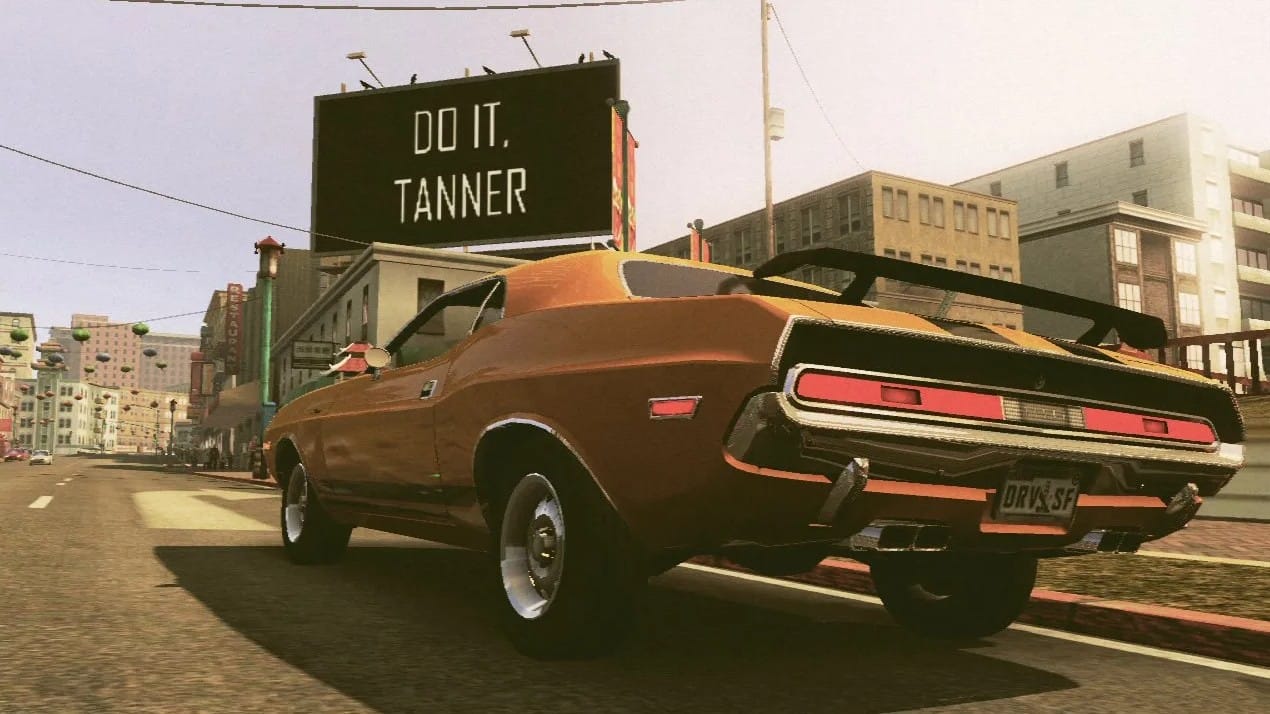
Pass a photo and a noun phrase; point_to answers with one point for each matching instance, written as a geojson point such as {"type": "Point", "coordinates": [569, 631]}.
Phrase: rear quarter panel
{"type": "Point", "coordinates": [589, 371]}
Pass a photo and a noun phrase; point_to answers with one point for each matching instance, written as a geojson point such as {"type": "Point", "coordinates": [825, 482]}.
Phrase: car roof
{"type": "Point", "coordinates": [590, 277]}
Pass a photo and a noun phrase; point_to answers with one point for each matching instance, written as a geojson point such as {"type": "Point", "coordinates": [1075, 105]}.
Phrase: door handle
{"type": "Point", "coordinates": [428, 388]}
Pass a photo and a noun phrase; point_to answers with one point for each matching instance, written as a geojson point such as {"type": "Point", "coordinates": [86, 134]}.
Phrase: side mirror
{"type": "Point", "coordinates": [377, 357]}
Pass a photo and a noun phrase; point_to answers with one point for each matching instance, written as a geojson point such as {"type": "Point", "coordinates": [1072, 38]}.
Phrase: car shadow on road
{"type": "Point", "coordinates": [406, 629]}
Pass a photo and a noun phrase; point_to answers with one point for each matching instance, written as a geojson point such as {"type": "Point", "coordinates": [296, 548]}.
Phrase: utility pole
{"type": "Point", "coordinates": [769, 218]}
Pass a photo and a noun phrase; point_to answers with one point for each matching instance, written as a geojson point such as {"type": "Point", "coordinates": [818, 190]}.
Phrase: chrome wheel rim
{"type": "Point", "coordinates": [531, 546]}
{"type": "Point", "coordinates": [296, 503]}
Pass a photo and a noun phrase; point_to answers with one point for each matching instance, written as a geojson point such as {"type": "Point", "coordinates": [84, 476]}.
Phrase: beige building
{"type": "Point", "coordinates": [142, 427]}
{"type": "Point", "coordinates": [18, 367]}
{"type": "Point", "coordinates": [373, 297]}
{"type": "Point", "coordinates": [892, 216]}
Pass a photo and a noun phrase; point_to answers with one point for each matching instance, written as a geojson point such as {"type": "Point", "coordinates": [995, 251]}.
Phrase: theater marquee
{"type": "Point", "coordinates": [494, 158]}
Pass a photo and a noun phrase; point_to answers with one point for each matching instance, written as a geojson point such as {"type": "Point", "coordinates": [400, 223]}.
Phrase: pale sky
{"type": "Point", "coordinates": [215, 105]}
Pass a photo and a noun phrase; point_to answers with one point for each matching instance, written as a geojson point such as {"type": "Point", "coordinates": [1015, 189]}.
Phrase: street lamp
{"type": "Point", "coordinates": [171, 426]}
{"type": "Point", "coordinates": [270, 250]}
{"type": "Point", "coordinates": [524, 37]}
{"type": "Point", "coordinates": [361, 57]}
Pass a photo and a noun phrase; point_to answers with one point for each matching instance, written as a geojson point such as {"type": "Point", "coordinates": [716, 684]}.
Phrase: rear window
{"type": "Point", "coordinates": [667, 280]}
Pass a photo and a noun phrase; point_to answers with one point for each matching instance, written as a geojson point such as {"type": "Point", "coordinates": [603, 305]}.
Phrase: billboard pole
{"type": "Point", "coordinates": [624, 111]}
{"type": "Point", "coordinates": [769, 223]}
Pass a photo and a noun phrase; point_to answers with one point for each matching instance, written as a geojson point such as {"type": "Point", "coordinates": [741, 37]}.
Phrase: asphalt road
{"type": "Point", "coordinates": [104, 606]}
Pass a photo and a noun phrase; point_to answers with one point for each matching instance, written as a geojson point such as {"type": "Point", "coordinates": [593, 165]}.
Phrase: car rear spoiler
{"type": "Point", "coordinates": [1135, 328]}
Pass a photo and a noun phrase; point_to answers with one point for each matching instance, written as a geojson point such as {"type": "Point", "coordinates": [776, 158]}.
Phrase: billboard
{"type": "Point", "coordinates": [312, 355]}
{"type": "Point", "coordinates": [489, 159]}
{"type": "Point", "coordinates": [233, 327]}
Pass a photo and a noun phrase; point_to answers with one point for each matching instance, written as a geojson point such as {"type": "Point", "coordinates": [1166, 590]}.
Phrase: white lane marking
{"type": "Point", "coordinates": [41, 502]}
{"type": "Point", "coordinates": [1206, 558]}
{"type": "Point", "coordinates": [190, 510]}
{"type": "Point", "coordinates": [1248, 669]}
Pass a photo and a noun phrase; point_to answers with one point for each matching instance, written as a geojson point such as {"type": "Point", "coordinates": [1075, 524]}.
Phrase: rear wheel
{"type": "Point", "coordinates": [570, 572]}
{"type": "Point", "coordinates": [948, 596]}
{"type": "Point", "coordinates": [309, 534]}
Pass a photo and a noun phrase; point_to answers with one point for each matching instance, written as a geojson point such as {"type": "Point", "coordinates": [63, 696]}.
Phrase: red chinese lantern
{"type": "Point", "coordinates": [79, 396]}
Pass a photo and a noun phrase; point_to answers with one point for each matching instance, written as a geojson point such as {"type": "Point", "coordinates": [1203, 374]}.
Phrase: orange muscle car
{"type": "Point", "coordinates": [596, 418]}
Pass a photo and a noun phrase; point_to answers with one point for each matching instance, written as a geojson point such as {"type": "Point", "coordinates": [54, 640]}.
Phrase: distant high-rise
{"type": "Point", "coordinates": [125, 349]}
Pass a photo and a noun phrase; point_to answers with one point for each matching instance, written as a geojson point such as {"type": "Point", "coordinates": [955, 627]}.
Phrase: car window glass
{"type": "Point", "coordinates": [646, 278]}
{"type": "Point", "coordinates": [440, 325]}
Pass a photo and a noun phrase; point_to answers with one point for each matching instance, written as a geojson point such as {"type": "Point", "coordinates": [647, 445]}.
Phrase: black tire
{"type": "Point", "coordinates": [779, 560]}
{"type": "Point", "coordinates": [954, 597]}
{"type": "Point", "coordinates": [316, 537]}
{"type": "Point", "coordinates": [598, 577]}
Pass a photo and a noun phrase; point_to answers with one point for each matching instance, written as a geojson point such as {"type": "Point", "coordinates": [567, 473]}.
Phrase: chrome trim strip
{"type": "Point", "coordinates": [792, 378]}
{"type": "Point", "coordinates": [696, 403]}
{"type": "Point", "coordinates": [1034, 443]}
{"type": "Point", "coordinates": [1006, 347]}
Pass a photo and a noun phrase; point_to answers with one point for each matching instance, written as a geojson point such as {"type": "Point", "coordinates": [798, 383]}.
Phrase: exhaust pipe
{"type": "Point", "coordinates": [895, 536]}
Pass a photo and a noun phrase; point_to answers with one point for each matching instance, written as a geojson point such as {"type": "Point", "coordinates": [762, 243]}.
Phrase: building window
{"type": "Point", "coordinates": [994, 271]}
{"type": "Point", "coordinates": [1188, 308]}
{"type": "Point", "coordinates": [1243, 205]}
{"type": "Point", "coordinates": [1185, 258]}
{"type": "Point", "coordinates": [923, 209]}
{"type": "Point", "coordinates": [1221, 309]}
{"type": "Point", "coordinates": [905, 255]}
{"type": "Point", "coordinates": [992, 222]}
{"type": "Point", "coordinates": [994, 188]}
{"type": "Point", "coordinates": [959, 215]}
{"type": "Point", "coordinates": [1140, 197]}
{"type": "Point", "coordinates": [927, 259]}
{"type": "Point", "coordinates": [348, 321]}
{"type": "Point", "coordinates": [937, 212]}
{"type": "Point", "coordinates": [1060, 175]}
{"type": "Point", "coordinates": [889, 253]}
{"type": "Point", "coordinates": [849, 212]}
{"type": "Point", "coordinates": [1129, 296]}
{"type": "Point", "coordinates": [1216, 249]}
{"type": "Point", "coordinates": [972, 218]}
{"type": "Point", "coordinates": [961, 265]}
{"type": "Point", "coordinates": [976, 269]}
{"type": "Point", "coordinates": [1213, 194]}
{"type": "Point", "coordinates": [1137, 156]}
{"type": "Point", "coordinates": [811, 225]}
{"type": "Point", "coordinates": [1252, 258]}
{"type": "Point", "coordinates": [427, 291]}
{"type": "Point", "coordinates": [365, 313]}
{"type": "Point", "coordinates": [1003, 227]}
{"type": "Point", "coordinates": [1206, 140]}
{"type": "Point", "coordinates": [782, 232]}
{"type": "Point", "coordinates": [888, 202]}
{"type": "Point", "coordinates": [1126, 246]}
{"type": "Point", "coordinates": [1008, 273]}
{"type": "Point", "coordinates": [901, 205]}
{"type": "Point", "coordinates": [745, 246]}
{"type": "Point", "coordinates": [1255, 309]}
{"type": "Point", "coordinates": [941, 262]}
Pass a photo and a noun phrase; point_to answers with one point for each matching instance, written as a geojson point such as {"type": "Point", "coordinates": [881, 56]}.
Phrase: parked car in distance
{"type": "Point", "coordinates": [597, 418]}
{"type": "Point", "coordinates": [40, 456]}
{"type": "Point", "coordinates": [13, 455]}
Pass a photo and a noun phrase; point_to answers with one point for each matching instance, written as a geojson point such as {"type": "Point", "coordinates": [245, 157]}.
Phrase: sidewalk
{"type": "Point", "coordinates": [1180, 593]}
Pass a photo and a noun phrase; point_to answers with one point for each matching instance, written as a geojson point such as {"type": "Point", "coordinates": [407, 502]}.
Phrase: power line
{"type": "Point", "coordinates": [170, 197]}
{"type": "Point", "coordinates": [811, 89]}
{"type": "Point", "coordinates": [408, 8]}
{"type": "Point", "coordinates": [98, 265]}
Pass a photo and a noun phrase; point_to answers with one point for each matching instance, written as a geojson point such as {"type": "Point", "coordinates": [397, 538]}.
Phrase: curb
{"type": "Point", "coordinates": [1219, 636]}
{"type": "Point", "coordinates": [266, 483]}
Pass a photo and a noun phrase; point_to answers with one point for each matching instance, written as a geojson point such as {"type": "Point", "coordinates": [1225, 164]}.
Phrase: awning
{"type": "Point", "coordinates": [232, 406]}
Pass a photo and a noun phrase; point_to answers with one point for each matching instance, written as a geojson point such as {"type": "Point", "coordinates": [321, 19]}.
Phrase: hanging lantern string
{"type": "Point", "coordinates": [99, 265]}
{"type": "Point", "coordinates": [244, 301]}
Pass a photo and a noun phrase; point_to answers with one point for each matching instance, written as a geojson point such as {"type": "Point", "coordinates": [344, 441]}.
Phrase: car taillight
{"type": "Point", "coordinates": [1116, 422]}
{"type": "Point", "coordinates": [842, 389]}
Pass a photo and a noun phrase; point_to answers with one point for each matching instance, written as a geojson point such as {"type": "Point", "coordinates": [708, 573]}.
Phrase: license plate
{"type": "Point", "coordinates": [1038, 498]}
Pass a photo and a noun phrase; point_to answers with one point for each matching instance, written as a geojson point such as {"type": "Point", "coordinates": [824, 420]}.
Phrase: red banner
{"type": "Point", "coordinates": [698, 248]}
{"type": "Point", "coordinates": [618, 132]}
{"type": "Point", "coordinates": [233, 327]}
